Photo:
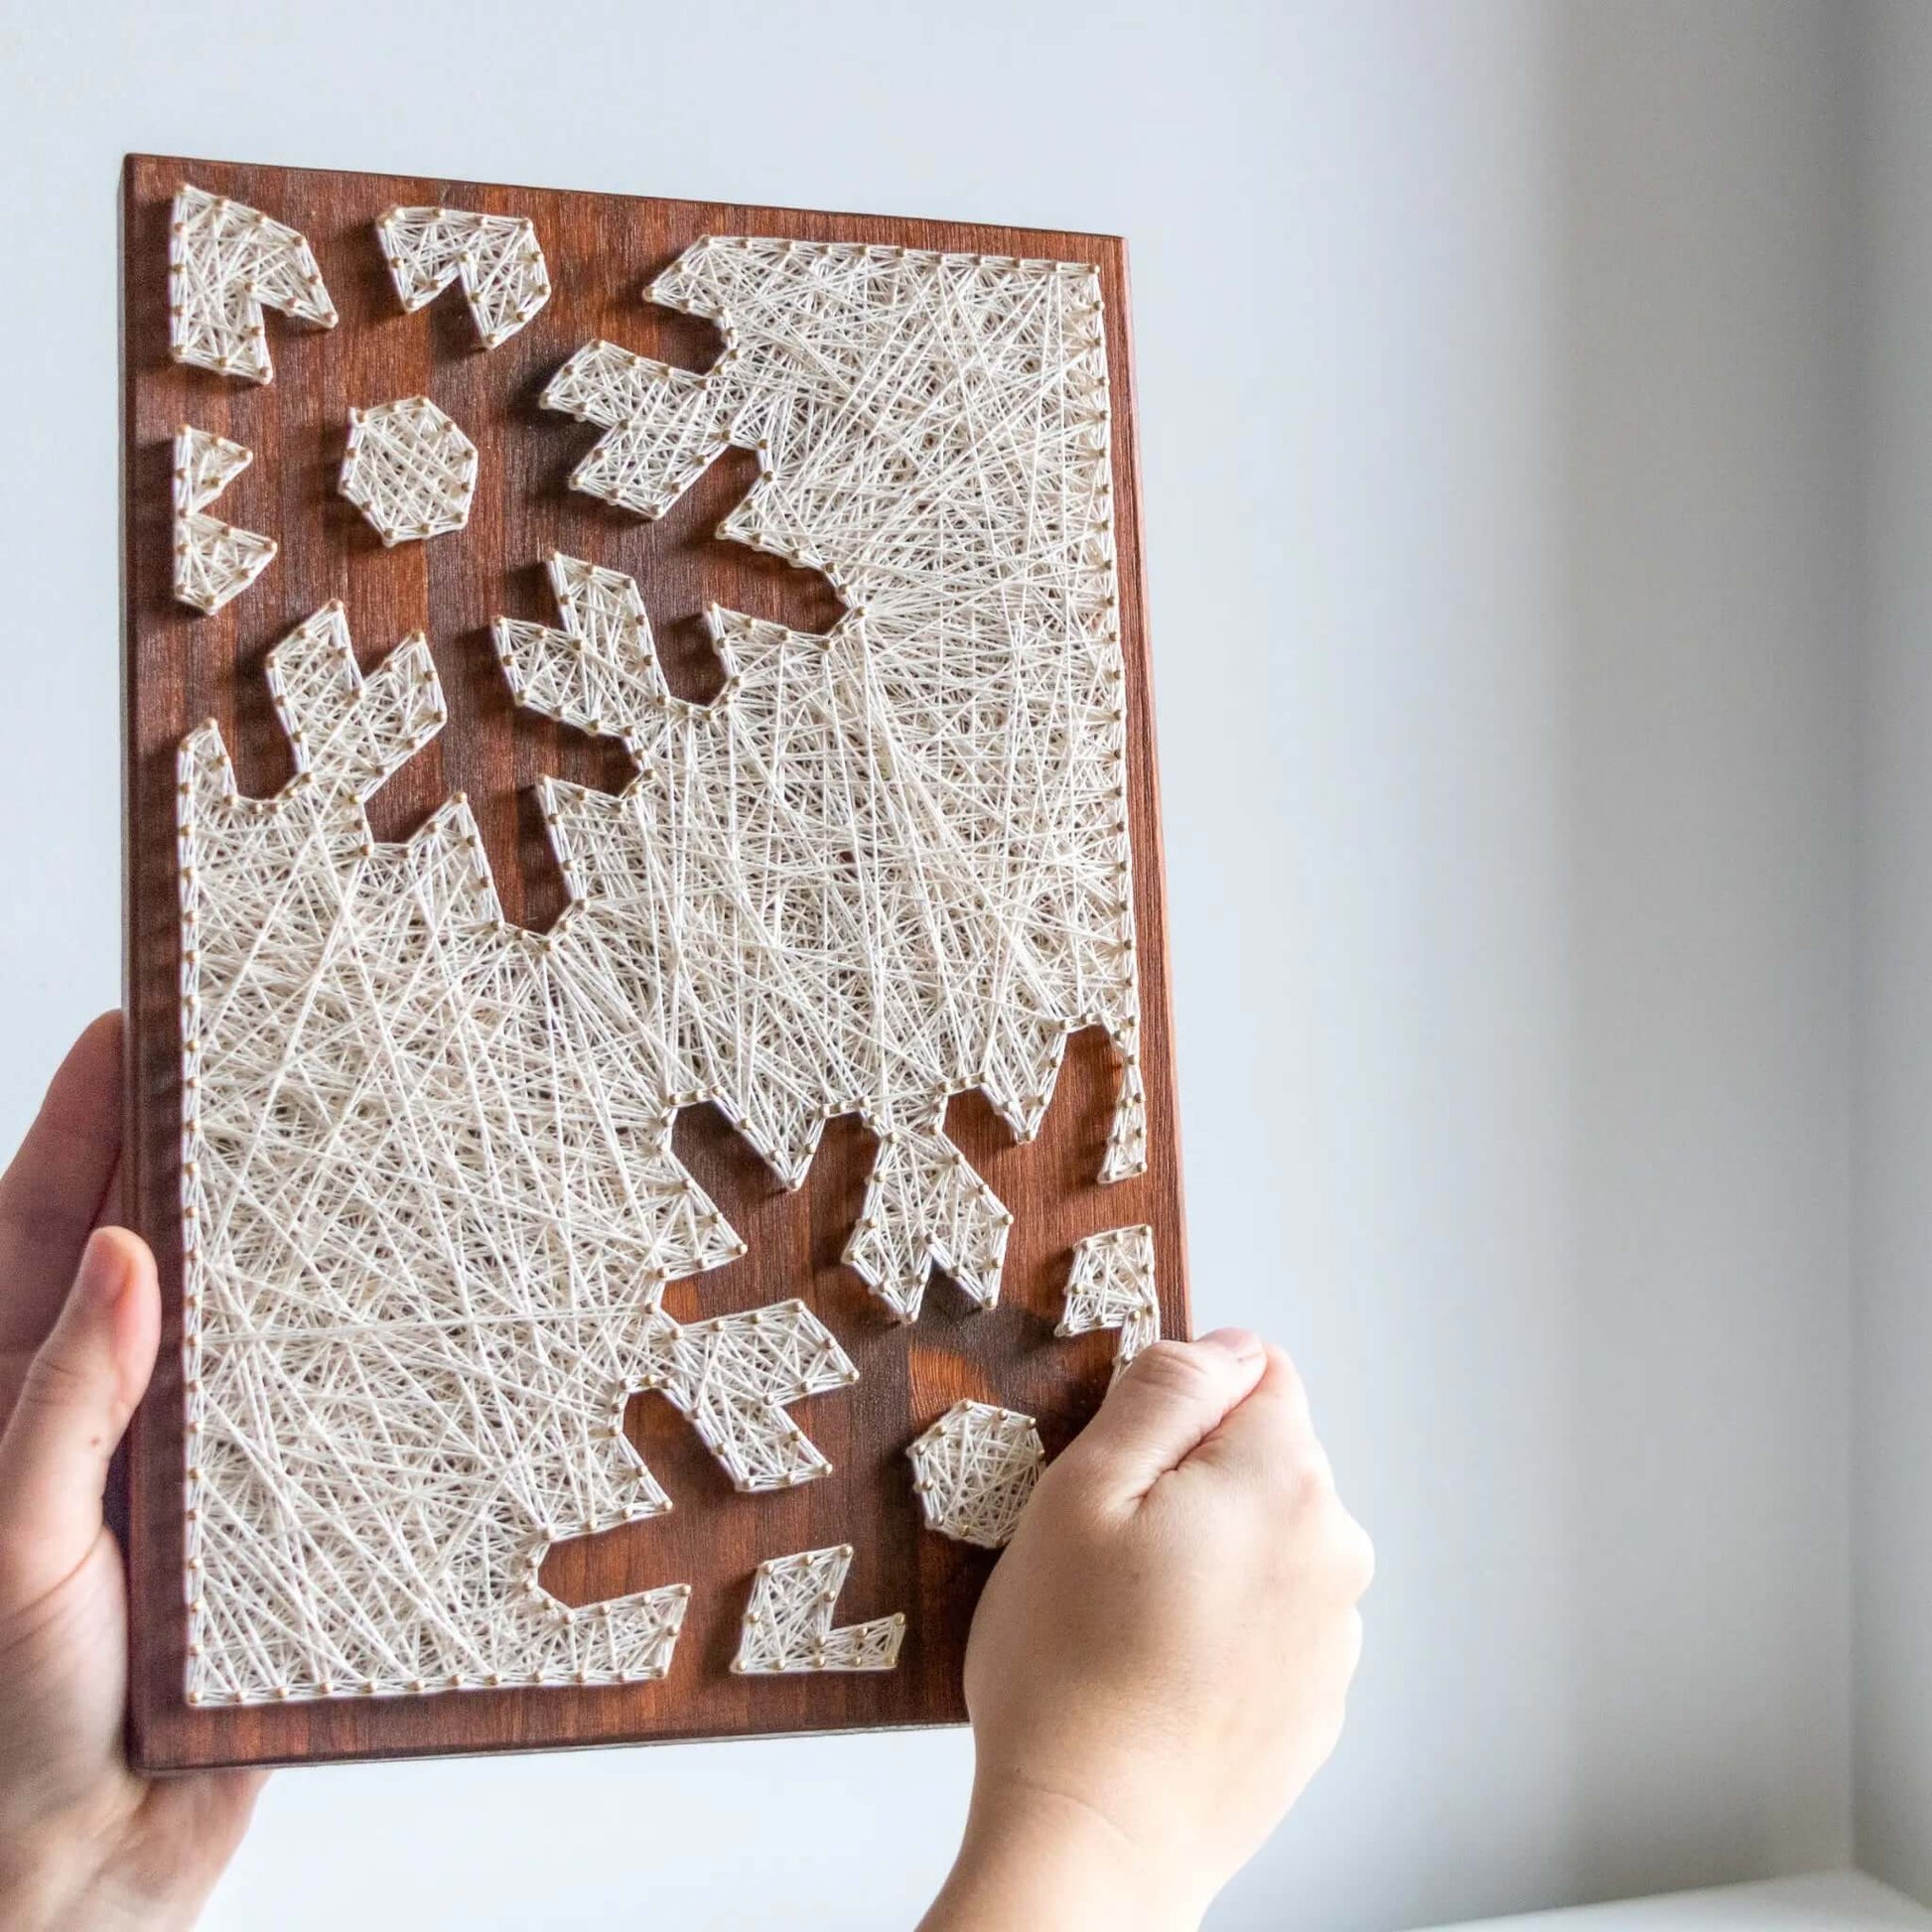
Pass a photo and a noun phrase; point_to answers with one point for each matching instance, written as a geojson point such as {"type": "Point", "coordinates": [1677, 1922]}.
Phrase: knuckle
{"type": "Point", "coordinates": [1073, 1494]}
{"type": "Point", "coordinates": [1282, 1365]}
{"type": "Point", "coordinates": [1310, 1484]}
{"type": "Point", "coordinates": [1354, 1556]}
{"type": "Point", "coordinates": [54, 1380]}
{"type": "Point", "coordinates": [1349, 1556]}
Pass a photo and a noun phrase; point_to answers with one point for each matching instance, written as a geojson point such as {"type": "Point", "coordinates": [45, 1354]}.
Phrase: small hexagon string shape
{"type": "Point", "coordinates": [974, 1470]}
{"type": "Point", "coordinates": [501, 267]}
{"type": "Point", "coordinates": [787, 1626]}
{"type": "Point", "coordinates": [1110, 1286]}
{"type": "Point", "coordinates": [409, 470]}
{"type": "Point", "coordinates": [214, 561]}
{"type": "Point", "coordinates": [227, 262]}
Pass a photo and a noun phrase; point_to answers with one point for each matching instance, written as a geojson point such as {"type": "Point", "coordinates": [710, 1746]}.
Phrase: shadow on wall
{"type": "Point", "coordinates": [1707, 487]}
{"type": "Point", "coordinates": [1561, 944]}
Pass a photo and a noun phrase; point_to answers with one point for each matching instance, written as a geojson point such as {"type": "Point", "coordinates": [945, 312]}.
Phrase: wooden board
{"type": "Point", "coordinates": [181, 667]}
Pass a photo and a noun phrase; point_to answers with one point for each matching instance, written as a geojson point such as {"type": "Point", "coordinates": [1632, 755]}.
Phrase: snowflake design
{"type": "Point", "coordinates": [430, 1198]}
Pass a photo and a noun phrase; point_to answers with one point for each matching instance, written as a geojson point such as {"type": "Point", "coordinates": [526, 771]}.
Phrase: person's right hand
{"type": "Point", "coordinates": [1159, 1664]}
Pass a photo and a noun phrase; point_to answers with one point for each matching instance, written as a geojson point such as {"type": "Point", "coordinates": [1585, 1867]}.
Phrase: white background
{"type": "Point", "coordinates": [1502, 386]}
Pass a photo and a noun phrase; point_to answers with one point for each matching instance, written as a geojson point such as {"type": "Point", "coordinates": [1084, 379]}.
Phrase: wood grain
{"type": "Point", "coordinates": [180, 667]}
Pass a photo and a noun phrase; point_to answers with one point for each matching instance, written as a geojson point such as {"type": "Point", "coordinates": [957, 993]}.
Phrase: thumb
{"type": "Point", "coordinates": [81, 1389]}
{"type": "Point", "coordinates": [1167, 1402]}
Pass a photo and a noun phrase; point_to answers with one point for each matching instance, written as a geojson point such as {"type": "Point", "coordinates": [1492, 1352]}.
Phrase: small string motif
{"type": "Point", "coordinates": [1110, 1286]}
{"type": "Point", "coordinates": [787, 1626]}
{"type": "Point", "coordinates": [409, 470]}
{"type": "Point", "coordinates": [227, 262]}
{"type": "Point", "coordinates": [600, 672]}
{"type": "Point", "coordinates": [973, 1472]}
{"type": "Point", "coordinates": [501, 267]}
{"type": "Point", "coordinates": [926, 1207]}
{"type": "Point", "coordinates": [732, 1377]}
{"type": "Point", "coordinates": [214, 561]}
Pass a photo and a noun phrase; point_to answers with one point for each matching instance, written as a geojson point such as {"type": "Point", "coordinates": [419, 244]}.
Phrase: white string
{"type": "Point", "coordinates": [501, 267]}
{"type": "Point", "coordinates": [430, 1205]}
{"type": "Point", "coordinates": [787, 1626]}
{"type": "Point", "coordinates": [890, 863]}
{"type": "Point", "coordinates": [409, 470]}
{"type": "Point", "coordinates": [732, 1377]}
{"type": "Point", "coordinates": [973, 1472]}
{"type": "Point", "coordinates": [214, 561]}
{"type": "Point", "coordinates": [1110, 1286]}
{"type": "Point", "coordinates": [430, 1200]}
{"type": "Point", "coordinates": [227, 262]}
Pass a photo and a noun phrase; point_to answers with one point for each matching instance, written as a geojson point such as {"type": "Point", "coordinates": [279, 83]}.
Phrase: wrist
{"type": "Point", "coordinates": [1034, 1857]}
{"type": "Point", "coordinates": [38, 1885]}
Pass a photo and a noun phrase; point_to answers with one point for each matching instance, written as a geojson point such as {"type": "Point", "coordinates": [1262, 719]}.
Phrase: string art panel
{"type": "Point", "coordinates": [649, 1074]}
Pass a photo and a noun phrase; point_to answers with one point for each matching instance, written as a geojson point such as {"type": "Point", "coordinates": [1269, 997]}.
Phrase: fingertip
{"type": "Point", "coordinates": [132, 1254]}
{"type": "Point", "coordinates": [102, 1030]}
{"type": "Point", "coordinates": [1242, 1343]}
{"type": "Point", "coordinates": [75, 1399]}
{"type": "Point", "coordinates": [116, 1299]}
{"type": "Point", "coordinates": [1162, 1405]}
{"type": "Point", "coordinates": [123, 1266]}
{"type": "Point", "coordinates": [1281, 1378]}
{"type": "Point", "coordinates": [1269, 1435]}
{"type": "Point", "coordinates": [1217, 1369]}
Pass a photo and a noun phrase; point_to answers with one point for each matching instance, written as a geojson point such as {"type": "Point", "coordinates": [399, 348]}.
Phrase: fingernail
{"type": "Point", "coordinates": [102, 1272]}
{"type": "Point", "coordinates": [1242, 1343]}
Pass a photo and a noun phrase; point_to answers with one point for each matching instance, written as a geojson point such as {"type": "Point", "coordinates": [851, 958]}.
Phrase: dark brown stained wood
{"type": "Point", "coordinates": [603, 249]}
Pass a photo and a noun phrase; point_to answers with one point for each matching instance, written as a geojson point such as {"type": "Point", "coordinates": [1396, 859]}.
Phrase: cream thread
{"type": "Point", "coordinates": [732, 1377]}
{"type": "Point", "coordinates": [1110, 1286]}
{"type": "Point", "coordinates": [409, 470]}
{"type": "Point", "coordinates": [787, 1626]}
{"type": "Point", "coordinates": [429, 1207]}
{"type": "Point", "coordinates": [430, 1200]}
{"type": "Point", "coordinates": [495, 256]}
{"type": "Point", "coordinates": [890, 863]}
{"type": "Point", "coordinates": [227, 262]}
{"type": "Point", "coordinates": [214, 561]}
{"type": "Point", "coordinates": [973, 1472]}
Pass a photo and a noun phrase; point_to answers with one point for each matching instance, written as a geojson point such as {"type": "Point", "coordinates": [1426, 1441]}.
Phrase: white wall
{"type": "Point", "coordinates": [1489, 358]}
{"type": "Point", "coordinates": [1892, 1391]}
{"type": "Point", "coordinates": [1709, 760]}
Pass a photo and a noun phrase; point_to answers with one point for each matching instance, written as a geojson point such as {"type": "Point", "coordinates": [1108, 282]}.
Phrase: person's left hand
{"type": "Point", "coordinates": [84, 1840]}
